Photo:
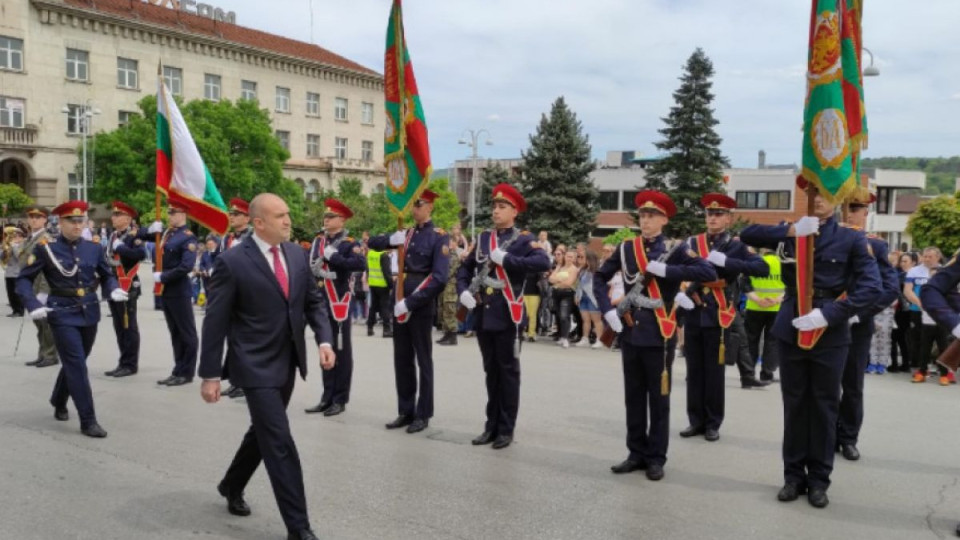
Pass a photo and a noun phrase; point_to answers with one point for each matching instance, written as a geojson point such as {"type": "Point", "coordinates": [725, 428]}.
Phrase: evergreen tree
{"type": "Point", "coordinates": [692, 164]}
{"type": "Point", "coordinates": [492, 175]}
{"type": "Point", "coordinates": [555, 178]}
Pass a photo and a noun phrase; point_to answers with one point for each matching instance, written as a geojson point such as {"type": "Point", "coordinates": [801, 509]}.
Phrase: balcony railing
{"type": "Point", "coordinates": [18, 136]}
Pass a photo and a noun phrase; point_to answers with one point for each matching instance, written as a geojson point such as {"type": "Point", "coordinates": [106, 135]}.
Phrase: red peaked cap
{"type": "Point", "coordinates": [652, 199]}
{"type": "Point", "coordinates": [239, 205]}
{"type": "Point", "coordinates": [509, 194]}
{"type": "Point", "coordinates": [71, 208]}
{"type": "Point", "coordinates": [120, 206]}
{"type": "Point", "coordinates": [717, 201]}
{"type": "Point", "coordinates": [336, 207]}
{"type": "Point", "coordinates": [428, 196]}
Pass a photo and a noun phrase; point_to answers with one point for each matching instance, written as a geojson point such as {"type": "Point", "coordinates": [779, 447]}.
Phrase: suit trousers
{"type": "Point", "coordinates": [48, 348]}
{"type": "Point", "coordinates": [759, 326]}
{"type": "Point", "coordinates": [128, 335]}
{"type": "Point", "coordinates": [336, 381]}
{"type": "Point", "coordinates": [381, 303]}
{"type": "Point", "coordinates": [74, 344]}
{"type": "Point", "coordinates": [502, 379]}
{"type": "Point", "coordinates": [851, 400]}
{"type": "Point", "coordinates": [810, 387]}
{"type": "Point", "coordinates": [899, 339]}
{"type": "Point", "coordinates": [705, 375]}
{"type": "Point", "coordinates": [412, 349]}
{"type": "Point", "coordinates": [646, 407]}
{"type": "Point", "coordinates": [269, 440]}
{"type": "Point", "coordinates": [178, 312]}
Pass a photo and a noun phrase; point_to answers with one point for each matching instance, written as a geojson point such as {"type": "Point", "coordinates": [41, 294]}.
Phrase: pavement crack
{"type": "Point", "coordinates": [941, 498]}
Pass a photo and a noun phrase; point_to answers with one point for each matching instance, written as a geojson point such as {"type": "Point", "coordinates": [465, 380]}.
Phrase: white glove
{"type": "Point", "coordinates": [497, 256]}
{"type": "Point", "coordinates": [156, 277]}
{"type": "Point", "coordinates": [810, 321]}
{"type": "Point", "coordinates": [155, 227]}
{"type": "Point", "coordinates": [400, 308]}
{"type": "Point", "coordinates": [684, 301]}
{"type": "Point", "coordinates": [398, 238]}
{"type": "Point", "coordinates": [956, 331]}
{"type": "Point", "coordinates": [657, 268]}
{"type": "Point", "coordinates": [468, 300]}
{"type": "Point", "coordinates": [328, 252]}
{"type": "Point", "coordinates": [717, 258]}
{"type": "Point", "coordinates": [613, 320]}
{"type": "Point", "coordinates": [853, 320]}
{"type": "Point", "coordinates": [119, 295]}
{"type": "Point", "coordinates": [117, 243]}
{"type": "Point", "coordinates": [39, 314]}
{"type": "Point", "coordinates": [806, 226]}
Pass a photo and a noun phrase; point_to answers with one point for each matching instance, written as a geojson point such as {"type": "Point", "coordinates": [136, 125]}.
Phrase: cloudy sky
{"type": "Point", "coordinates": [499, 64]}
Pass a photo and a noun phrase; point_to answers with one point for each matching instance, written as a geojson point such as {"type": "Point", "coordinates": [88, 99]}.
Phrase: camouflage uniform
{"type": "Point", "coordinates": [47, 354]}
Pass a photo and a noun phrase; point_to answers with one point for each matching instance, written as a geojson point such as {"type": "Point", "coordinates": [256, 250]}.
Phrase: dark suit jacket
{"type": "Point", "coordinates": [248, 310]}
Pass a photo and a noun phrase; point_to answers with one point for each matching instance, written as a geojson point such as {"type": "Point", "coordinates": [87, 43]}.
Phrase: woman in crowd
{"type": "Point", "coordinates": [564, 281]}
{"type": "Point", "coordinates": [589, 310]}
{"type": "Point", "coordinates": [901, 319]}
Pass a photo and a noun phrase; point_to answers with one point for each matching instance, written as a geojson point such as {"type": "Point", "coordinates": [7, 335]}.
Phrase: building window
{"type": "Point", "coordinates": [366, 151]}
{"type": "Point", "coordinates": [312, 191]}
{"type": "Point", "coordinates": [313, 145]}
{"type": "Point", "coordinates": [11, 53]}
{"type": "Point", "coordinates": [127, 73]}
{"type": "Point", "coordinates": [124, 117]}
{"type": "Point", "coordinates": [763, 200]}
{"type": "Point", "coordinates": [313, 104]}
{"type": "Point", "coordinates": [340, 109]}
{"type": "Point", "coordinates": [211, 87]}
{"type": "Point", "coordinates": [610, 201]}
{"type": "Point", "coordinates": [11, 112]}
{"type": "Point", "coordinates": [283, 99]}
{"type": "Point", "coordinates": [628, 198]}
{"type": "Point", "coordinates": [78, 63]}
{"type": "Point", "coordinates": [884, 198]}
{"type": "Point", "coordinates": [367, 110]}
{"type": "Point", "coordinates": [248, 90]}
{"type": "Point", "coordinates": [74, 187]}
{"type": "Point", "coordinates": [340, 148]}
{"type": "Point", "coordinates": [75, 123]}
{"type": "Point", "coordinates": [284, 138]}
{"type": "Point", "coordinates": [173, 78]}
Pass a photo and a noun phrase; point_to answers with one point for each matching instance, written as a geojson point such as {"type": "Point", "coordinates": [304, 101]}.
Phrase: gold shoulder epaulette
{"type": "Point", "coordinates": [440, 231]}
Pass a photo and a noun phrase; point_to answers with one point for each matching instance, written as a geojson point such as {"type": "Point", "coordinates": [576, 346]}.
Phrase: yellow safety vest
{"type": "Point", "coordinates": [768, 286]}
{"type": "Point", "coordinates": [374, 273]}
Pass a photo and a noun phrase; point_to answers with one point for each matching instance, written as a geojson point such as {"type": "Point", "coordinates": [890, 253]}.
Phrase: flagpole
{"type": "Point", "coordinates": [808, 275]}
{"type": "Point", "coordinates": [401, 256]}
{"type": "Point", "coordinates": [158, 253]}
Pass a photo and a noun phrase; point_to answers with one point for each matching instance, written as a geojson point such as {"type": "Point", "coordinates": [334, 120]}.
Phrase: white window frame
{"type": "Point", "coordinates": [173, 78]}
{"type": "Point", "coordinates": [74, 187]}
{"type": "Point", "coordinates": [127, 76]}
{"type": "Point", "coordinates": [313, 145]}
{"type": "Point", "coordinates": [313, 104]}
{"type": "Point", "coordinates": [283, 137]}
{"type": "Point", "coordinates": [11, 53]}
{"type": "Point", "coordinates": [340, 146]}
{"type": "Point", "coordinates": [128, 114]}
{"type": "Point", "coordinates": [366, 151]}
{"type": "Point", "coordinates": [248, 93]}
{"type": "Point", "coordinates": [367, 113]}
{"type": "Point", "coordinates": [78, 61]}
{"type": "Point", "coordinates": [75, 120]}
{"type": "Point", "coordinates": [10, 109]}
{"type": "Point", "coordinates": [282, 104]}
{"type": "Point", "coordinates": [211, 86]}
{"type": "Point", "coordinates": [340, 109]}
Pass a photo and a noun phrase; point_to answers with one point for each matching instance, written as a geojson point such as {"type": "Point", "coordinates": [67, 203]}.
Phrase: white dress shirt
{"type": "Point", "coordinates": [265, 249]}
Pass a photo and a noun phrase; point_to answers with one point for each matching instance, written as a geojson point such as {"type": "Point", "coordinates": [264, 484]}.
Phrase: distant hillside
{"type": "Point", "coordinates": [941, 172]}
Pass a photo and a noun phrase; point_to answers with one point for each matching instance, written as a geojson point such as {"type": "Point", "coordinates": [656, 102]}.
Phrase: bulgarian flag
{"type": "Point", "coordinates": [181, 173]}
{"type": "Point", "coordinates": [406, 148]}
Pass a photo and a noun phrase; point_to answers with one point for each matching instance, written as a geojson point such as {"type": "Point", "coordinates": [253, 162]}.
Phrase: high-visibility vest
{"type": "Point", "coordinates": [374, 273]}
{"type": "Point", "coordinates": [767, 286]}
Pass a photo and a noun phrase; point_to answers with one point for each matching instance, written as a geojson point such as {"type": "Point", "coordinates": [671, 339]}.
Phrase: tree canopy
{"type": "Point", "coordinates": [937, 223]}
{"type": "Point", "coordinates": [13, 200]}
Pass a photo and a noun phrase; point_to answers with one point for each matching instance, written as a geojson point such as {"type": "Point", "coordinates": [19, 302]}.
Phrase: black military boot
{"type": "Point", "coordinates": [449, 338]}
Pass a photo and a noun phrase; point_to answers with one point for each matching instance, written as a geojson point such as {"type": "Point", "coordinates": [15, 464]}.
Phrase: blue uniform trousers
{"type": "Point", "coordinates": [74, 344]}
{"type": "Point", "coordinates": [128, 339]}
{"type": "Point", "coordinates": [412, 349]}
{"type": "Point", "coordinates": [851, 401]}
{"type": "Point", "coordinates": [705, 390]}
{"type": "Point", "coordinates": [178, 312]}
{"type": "Point", "coordinates": [642, 369]}
{"type": "Point", "coordinates": [503, 379]}
{"type": "Point", "coordinates": [336, 381]}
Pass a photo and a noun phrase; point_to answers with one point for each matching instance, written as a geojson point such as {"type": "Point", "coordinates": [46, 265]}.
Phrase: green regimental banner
{"type": "Point", "coordinates": [406, 147]}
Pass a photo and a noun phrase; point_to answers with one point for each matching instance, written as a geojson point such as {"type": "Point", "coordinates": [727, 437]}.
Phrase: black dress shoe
{"type": "Point", "coordinates": [750, 382]}
{"type": "Point", "coordinates": [47, 363]}
{"type": "Point", "coordinates": [418, 425]}
{"type": "Point", "coordinates": [850, 452]}
{"type": "Point", "coordinates": [369, 331]}
{"type": "Point", "coordinates": [335, 409]}
{"type": "Point", "coordinates": [180, 381]}
{"type": "Point", "coordinates": [305, 534]}
{"type": "Point", "coordinates": [790, 492]}
{"type": "Point", "coordinates": [32, 362]}
{"type": "Point", "coordinates": [235, 503]}
{"type": "Point", "coordinates": [627, 466]}
{"type": "Point", "coordinates": [61, 414]}
{"type": "Point", "coordinates": [768, 378]}
{"type": "Point", "coordinates": [230, 389]}
{"type": "Point", "coordinates": [399, 422]}
{"type": "Point", "coordinates": [655, 472]}
{"type": "Point", "coordinates": [449, 338]}
{"type": "Point", "coordinates": [502, 441]}
{"type": "Point", "coordinates": [817, 497]}
{"type": "Point", "coordinates": [711, 435]}
{"type": "Point", "coordinates": [486, 437]}
{"type": "Point", "coordinates": [124, 372]}
{"type": "Point", "coordinates": [691, 431]}
{"type": "Point", "coordinates": [112, 372]}
{"type": "Point", "coordinates": [167, 380]}
{"type": "Point", "coordinates": [318, 408]}
{"type": "Point", "coordinates": [237, 392]}
{"type": "Point", "coordinates": [94, 430]}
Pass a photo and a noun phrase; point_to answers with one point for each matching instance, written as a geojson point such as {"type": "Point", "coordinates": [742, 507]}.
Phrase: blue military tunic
{"type": "Point", "coordinates": [941, 295]}
{"type": "Point", "coordinates": [125, 258]}
{"type": "Point", "coordinates": [179, 246]}
{"type": "Point", "coordinates": [740, 261]}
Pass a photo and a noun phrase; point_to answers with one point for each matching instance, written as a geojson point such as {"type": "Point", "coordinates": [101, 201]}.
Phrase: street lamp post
{"type": "Point", "coordinates": [84, 124]}
{"type": "Point", "coordinates": [472, 139]}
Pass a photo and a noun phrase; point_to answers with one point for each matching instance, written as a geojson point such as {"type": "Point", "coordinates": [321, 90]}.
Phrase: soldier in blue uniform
{"type": "Point", "coordinates": [239, 229]}
{"type": "Point", "coordinates": [123, 253]}
{"type": "Point", "coordinates": [492, 277]}
{"type": "Point", "coordinates": [334, 257]}
{"type": "Point", "coordinates": [178, 246]}
{"type": "Point", "coordinates": [845, 282]}
{"type": "Point", "coordinates": [712, 310]}
{"type": "Point", "coordinates": [850, 417]}
{"type": "Point", "coordinates": [426, 265]}
{"type": "Point", "coordinates": [73, 267]}
{"type": "Point", "coordinates": [652, 274]}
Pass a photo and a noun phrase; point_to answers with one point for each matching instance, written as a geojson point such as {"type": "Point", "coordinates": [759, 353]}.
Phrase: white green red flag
{"type": "Point", "coordinates": [181, 174]}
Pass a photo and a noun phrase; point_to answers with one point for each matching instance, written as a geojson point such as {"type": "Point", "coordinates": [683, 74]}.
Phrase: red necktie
{"type": "Point", "coordinates": [279, 272]}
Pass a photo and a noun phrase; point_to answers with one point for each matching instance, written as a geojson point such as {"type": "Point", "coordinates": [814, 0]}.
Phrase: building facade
{"type": "Point", "coordinates": [74, 67]}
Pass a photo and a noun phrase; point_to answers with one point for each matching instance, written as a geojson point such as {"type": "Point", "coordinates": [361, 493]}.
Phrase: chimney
{"type": "Point", "coordinates": [762, 161]}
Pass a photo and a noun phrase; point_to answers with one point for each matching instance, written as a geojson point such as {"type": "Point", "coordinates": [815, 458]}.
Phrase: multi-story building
{"type": "Point", "coordinates": [71, 67]}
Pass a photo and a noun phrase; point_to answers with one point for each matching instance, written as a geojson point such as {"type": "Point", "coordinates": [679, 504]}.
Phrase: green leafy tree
{"type": "Point", "coordinates": [937, 223]}
{"type": "Point", "coordinates": [624, 233]}
{"type": "Point", "coordinates": [13, 199]}
{"type": "Point", "coordinates": [692, 164]}
{"type": "Point", "coordinates": [446, 208]}
{"type": "Point", "coordinates": [235, 139]}
{"type": "Point", "coordinates": [555, 178]}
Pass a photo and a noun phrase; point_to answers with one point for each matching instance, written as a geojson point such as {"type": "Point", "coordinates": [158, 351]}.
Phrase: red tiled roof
{"type": "Point", "coordinates": [137, 10]}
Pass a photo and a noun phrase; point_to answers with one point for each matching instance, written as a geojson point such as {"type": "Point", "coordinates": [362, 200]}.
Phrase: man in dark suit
{"type": "Point", "coordinates": [261, 296]}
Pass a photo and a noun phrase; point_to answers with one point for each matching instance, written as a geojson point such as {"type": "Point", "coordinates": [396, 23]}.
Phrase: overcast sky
{"type": "Point", "coordinates": [499, 64]}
